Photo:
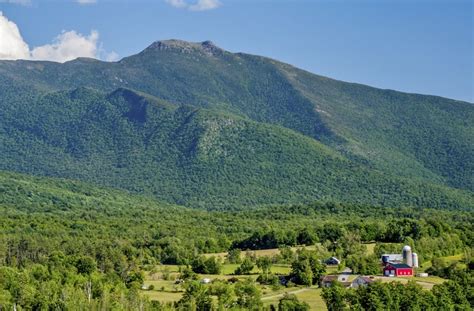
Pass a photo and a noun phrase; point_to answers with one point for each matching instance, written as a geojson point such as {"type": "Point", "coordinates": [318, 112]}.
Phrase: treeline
{"type": "Point", "coordinates": [89, 240]}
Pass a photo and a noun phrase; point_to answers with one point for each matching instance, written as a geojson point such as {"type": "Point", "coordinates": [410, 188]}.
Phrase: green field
{"type": "Point", "coordinates": [261, 252]}
{"type": "Point", "coordinates": [311, 296]}
{"type": "Point", "coordinates": [163, 297]}
{"type": "Point", "coordinates": [447, 259]}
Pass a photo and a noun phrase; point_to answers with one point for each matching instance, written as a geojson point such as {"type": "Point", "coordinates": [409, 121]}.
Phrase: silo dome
{"type": "Point", "coordinates": [407, 248]}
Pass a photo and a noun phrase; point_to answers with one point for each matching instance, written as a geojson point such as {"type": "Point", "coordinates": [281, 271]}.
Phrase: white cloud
{"type": "Point", "coordinates": [20, 2]}
{"type": "Point", "coordinates": [198, 5]}
{"type": "Point", "coordinates": [111, 57]}
{"type": "Point", "coordinates": [203, 5]}
{"type": "Point", "coordinates": [86, 1]}
{"type": "Point", "coordinates": [180, 4]}
{"type": "Point", "coordinates": [12, 45]}
{"type": "Point", "coordinates": [67, 46]}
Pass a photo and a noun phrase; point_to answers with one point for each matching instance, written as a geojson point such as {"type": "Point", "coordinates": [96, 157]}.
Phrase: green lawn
{"type": "Point", "coordinates": [312, 296]}
{"type": "Point", "coordinates": [370, 248]}
{"type": "Point", "coordinates": [163, 297]}
{"type": "Point", "coordinates": [168, 286]}
{"type": "Point", "coordinates": [426, 283]}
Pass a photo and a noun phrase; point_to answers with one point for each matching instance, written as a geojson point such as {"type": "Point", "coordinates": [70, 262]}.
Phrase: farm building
{"type": "Point", "coordinates": [394, 258]}
{"type": "Point", "coordinates": [361, 281]}
{"type": "Point", "coordinates": [406, 257]}
{"type": "Point", "coordinates": [327, 280]}
{"type": "Point", "coordinates": [397, 269]}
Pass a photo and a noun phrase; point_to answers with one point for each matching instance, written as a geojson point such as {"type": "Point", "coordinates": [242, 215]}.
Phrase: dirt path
{"type": "Point", "coordinates": [282, 294]}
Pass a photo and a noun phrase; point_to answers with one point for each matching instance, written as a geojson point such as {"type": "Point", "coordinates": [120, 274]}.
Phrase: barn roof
{"type": "Point", "coordinates": [399, 265]}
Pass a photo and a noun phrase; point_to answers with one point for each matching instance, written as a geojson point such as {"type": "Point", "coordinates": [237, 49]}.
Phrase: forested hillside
{"type": "Point", "coordinates": [204, 127]}
{"type": "Point", "coordinates": [193, 156]}
{"type": "Point", "coordinates": [69, 245]}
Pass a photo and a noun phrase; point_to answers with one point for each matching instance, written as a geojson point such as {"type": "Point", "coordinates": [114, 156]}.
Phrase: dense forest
{"type": "Point", "coordinates": [194, 125]}
{"type": "Point", "coordinates": [187, 177]}
{"type": "Point", "coordinates": [65, 243]}
{"type": "Point", "coordinates": [193, 156]}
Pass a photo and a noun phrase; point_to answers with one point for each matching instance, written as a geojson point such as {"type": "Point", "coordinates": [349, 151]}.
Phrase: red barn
{"type": "Point", "coordinates": [397, 269]}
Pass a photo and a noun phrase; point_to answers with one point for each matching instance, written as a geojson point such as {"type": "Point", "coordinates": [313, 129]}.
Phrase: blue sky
{"type": "Point", "coordinates": [415, 46]}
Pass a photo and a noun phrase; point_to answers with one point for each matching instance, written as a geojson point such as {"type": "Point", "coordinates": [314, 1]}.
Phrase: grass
{"type": "Point", "coordinates": [429, 279]}
{"type": "Point", "coordinates": [331, 269]}
{"type": "Point", "coordinates": [370, 248]}
{"type": "Point", "coordinates": [448, 259]}
{"type": "Point", "coordinates": [261, 252]}
{"type": "Point", "coordinates": [163, 297]}
{"type": "Point", "coordinates": [426, 283]}
{"type": "Point", "coordinates": [168, 286]}
{"type": "Point", "coordinates": [228, 269]}
{"type": "Point", "coordinates": [311, 296]}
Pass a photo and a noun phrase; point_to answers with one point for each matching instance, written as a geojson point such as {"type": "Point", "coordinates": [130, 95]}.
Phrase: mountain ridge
{"type": "Point", "coordinates": [418, 138]}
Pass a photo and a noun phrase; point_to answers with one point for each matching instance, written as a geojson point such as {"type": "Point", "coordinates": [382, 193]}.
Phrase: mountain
{"type": "Point", "coordinates": [193, 124]}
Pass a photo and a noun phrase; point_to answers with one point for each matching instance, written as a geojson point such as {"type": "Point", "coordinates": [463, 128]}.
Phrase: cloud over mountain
{"type": "Point", "coordinates": [66, 46]}
{"type": "Point", "coordinates": [12, 45]}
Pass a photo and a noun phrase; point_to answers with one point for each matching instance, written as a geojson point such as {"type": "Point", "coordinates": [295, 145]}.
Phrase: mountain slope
{"type": "Point", "coordinates": [409, 134]}
{"type": "Point", "coordinates": [383, 142]}
{"type": "Point", "coordinates": [192, 156]}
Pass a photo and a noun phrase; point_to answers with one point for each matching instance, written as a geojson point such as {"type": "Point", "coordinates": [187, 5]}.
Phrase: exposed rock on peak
{"type": "Point", "coordinates": [207, 47]}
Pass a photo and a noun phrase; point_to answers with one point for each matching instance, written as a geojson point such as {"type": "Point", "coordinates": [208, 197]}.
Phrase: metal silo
{"type": "Point", "coordinates": [407, 255]}
{"type": "Point", "coordinates": [415, 260]}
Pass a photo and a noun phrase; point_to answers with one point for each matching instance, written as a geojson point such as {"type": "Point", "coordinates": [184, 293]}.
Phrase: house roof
{"type": "Point", "coordinates": [399, 265]}
{"type": "Point", "coordinates": [365, 278]}
{"type": "Point", "coordinates": [347, 271]}
{"type": "Point", "coordinates": [329, 278]}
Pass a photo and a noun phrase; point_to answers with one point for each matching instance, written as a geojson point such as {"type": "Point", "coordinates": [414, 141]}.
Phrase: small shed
{"type": "Point", "coordinates": [333, 261]}
{"type": "Point", "coordinates": [327, 280]}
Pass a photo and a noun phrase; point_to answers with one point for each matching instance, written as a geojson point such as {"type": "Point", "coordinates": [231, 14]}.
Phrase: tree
{"type": "Point", "coordinates": [306, 237]}
{"type": "Point", "coordinates": [334, 297]}
{"type": "Point", "coordinates": [301, 272]}
{"type": "Point", "coordinates": [264, 263]}
{"type": "Point", "coordinates": [291, 303]}
{"type": "Point", "coordinates": [307, 268]}
{"type": "Point", "coordinates": [196, 297]}
{"type": "Point", "coordinates": [188, 274]}
{"type": "Point", "coordinates": [286, 254]}
{"type": "Point", "coordinates": [204, 265]}
{"type": "Point", "coordinates": [245, 268]}
{"type": "Point", "coordinates": [85, 265]}
{"type": "Point", "coordinates": [248, 295]}
{"type": "Point", "coordinates": [224, 292]}
{"type": "Point", "coordinates": [233, 256]}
